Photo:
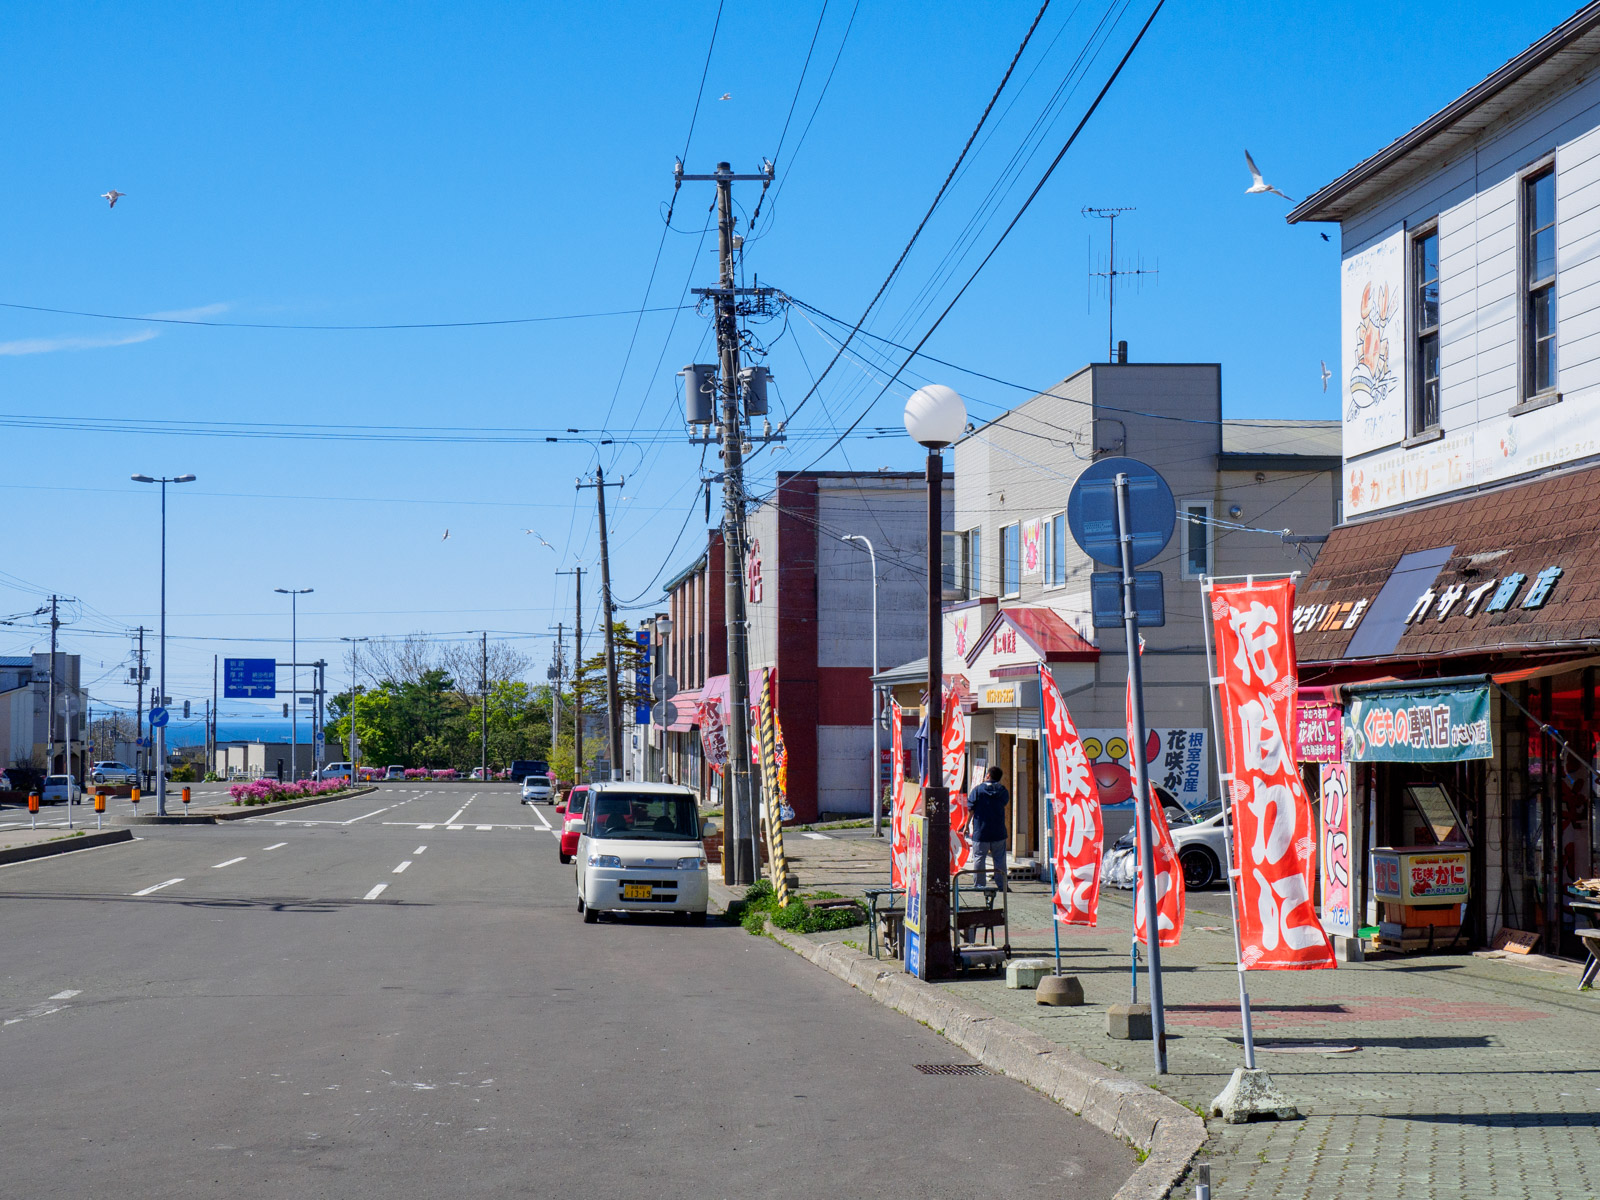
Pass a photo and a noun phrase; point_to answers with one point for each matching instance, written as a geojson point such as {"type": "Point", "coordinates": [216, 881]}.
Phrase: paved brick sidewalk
{"type": "Point", "coordinates": [1468, 1076]}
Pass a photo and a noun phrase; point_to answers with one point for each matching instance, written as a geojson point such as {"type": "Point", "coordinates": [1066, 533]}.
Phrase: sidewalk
{"type": "Point", "coordinates": [22, 843]}
{"type": "Point", "coordinates": [1428, 1076]}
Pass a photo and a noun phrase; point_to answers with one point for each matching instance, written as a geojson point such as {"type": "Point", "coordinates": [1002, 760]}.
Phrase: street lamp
{"type": "Point", "coordinates": [294, 595]}
{"type": "Point", "coordinates": [161, 733]}
{"type": "Point", "coordinates": [353, 641]}
{"type": "Point", "coordinates": [935, 417]}
{"type": "Point", "coordinates": [663, 631]}
{"type": "Point", "coordinates": [877, 756]}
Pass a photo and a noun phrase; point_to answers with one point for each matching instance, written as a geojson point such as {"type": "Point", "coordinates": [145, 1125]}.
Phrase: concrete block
{"type": "Point", "coordinates": [1023, 973]}
{"type": "Point", "coordinates": [1350, 950]}
{"type": "Point", "coordinates": [1060, 991]}
{"type": "Point", "coordinates": [1129, 1022]}
{"type": "Point", "coordinates": [1252, 1094]}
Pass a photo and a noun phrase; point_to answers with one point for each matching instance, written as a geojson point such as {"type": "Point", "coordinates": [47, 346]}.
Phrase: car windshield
{"type": "Point", "coordinates": [60, 780]}
{"type": "Point", "coordinates": [642, 816]}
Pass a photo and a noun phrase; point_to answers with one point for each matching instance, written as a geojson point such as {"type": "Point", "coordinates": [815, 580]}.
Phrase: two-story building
{"type": "Point", "coordinates": [1470, 548]}
{"type": "Point", "coordinates": [26, 736]}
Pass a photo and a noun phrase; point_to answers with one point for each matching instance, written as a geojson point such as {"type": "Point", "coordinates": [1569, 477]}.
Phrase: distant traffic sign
{"type": "Point", "coordinates": [664, 713]}
{"type": "Point", "coordinates": [159, 717]}
{"type": "Point", "coordinates": [1092, 511]}
{"type": "Point", "coordinates": [250, 678]}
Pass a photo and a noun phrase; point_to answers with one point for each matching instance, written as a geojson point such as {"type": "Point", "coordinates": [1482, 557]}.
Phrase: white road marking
{"type": "Point", "coordinates": [459, 811]}
{"type": "Point", "coordinates": [419, 826]}
{"type": "Point", "coordinates": [419, 850]}
{"type": "Point", "coordinates": [67, 995]}
{"type": "Point", "coordinates": [277, 846]}
{"type": "Point", "coordinates": [159, 886]}
{"type": "Point", "coordinates": [485, 827]}
{"type": "Point", "coordinates": [402, 866]}
{"type": "Point", "coordinates": [820, 837]}
{"type": "Point", "coordinates": [364, 816]}
{"type": "Point", "coordinates": [455, 828]}
{"type": "Point", "coordinates": [375, 892]}
{"type": "Point", "coordinates": [540, 815]}
{"type": "Point", "coordinates": [229, 863]}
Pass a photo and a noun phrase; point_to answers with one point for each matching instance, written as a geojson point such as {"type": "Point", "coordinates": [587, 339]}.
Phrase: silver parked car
{"type": "Point", "coordinates": [112, 771]}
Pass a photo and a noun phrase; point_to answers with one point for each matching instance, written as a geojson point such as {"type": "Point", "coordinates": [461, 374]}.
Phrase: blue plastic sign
{"type": "Point", "coordinates": [249, 678]}
{"type": "Point", "coordinates": [159, 718]}
{"type": "Point", "coordinates": [1092, 511]}
{"type": "Point", "coordinates": [641, 710]}
{"type": "Point", "coordinates": [1105, 598]}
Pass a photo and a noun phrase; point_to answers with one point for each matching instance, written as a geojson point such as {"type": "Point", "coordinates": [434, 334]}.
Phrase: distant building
{"type": "Point", "coordinates": [24, 703]}
{"type": "Point", "coordinates": [255, 760]}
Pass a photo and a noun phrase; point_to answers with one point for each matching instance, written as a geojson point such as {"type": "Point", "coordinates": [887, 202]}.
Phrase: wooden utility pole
{"type": "Point", "coordinates": [613, 705]}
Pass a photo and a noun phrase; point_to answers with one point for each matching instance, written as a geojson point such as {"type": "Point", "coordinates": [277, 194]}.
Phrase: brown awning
{"type": "Point", "coordinates": [1514, 569]}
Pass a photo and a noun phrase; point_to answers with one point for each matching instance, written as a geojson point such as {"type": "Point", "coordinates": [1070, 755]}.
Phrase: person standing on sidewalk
{"type": "Point", "coordinates": [989, 802]}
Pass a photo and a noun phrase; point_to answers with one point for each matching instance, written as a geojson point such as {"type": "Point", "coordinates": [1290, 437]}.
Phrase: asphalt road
{"type": "Point", "coordinates": [394, 996]}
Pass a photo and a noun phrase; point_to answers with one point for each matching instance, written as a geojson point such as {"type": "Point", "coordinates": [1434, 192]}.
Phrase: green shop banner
{"type": "Point", "coordinates": [1421, 725]}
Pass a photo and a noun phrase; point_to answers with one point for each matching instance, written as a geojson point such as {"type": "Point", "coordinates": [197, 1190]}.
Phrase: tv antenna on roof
{"type": "Point", "coordinates": [1111, 274]}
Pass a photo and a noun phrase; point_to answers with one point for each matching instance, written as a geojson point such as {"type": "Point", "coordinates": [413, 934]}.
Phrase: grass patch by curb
{"type": "Point", "coordinates": [760, 904]}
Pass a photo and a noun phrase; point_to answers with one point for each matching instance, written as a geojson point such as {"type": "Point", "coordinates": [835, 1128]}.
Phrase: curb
{"type": "Point", "coordinates": [1170, 1134]}
{"type": "Point", "coordinates": [65, 845]}
{"type": "Point", "coordinates": [241, 813]}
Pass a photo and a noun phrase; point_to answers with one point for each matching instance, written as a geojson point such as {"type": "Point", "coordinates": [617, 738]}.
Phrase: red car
{"type": "Point", "coordinates": [572, 820]}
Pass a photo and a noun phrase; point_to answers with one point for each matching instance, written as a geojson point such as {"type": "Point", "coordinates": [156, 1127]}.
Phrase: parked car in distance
{"type": "Point", "coordinates": [394, 773]}
{"type": "Point", "coordinates": [336, 771]}
{"type": "Point", "coordinates": [1198, 838]}
{"type": "Point", "coordinates": [640, 851]}
{"type": "Point", "coordinates": [572, 821]}
{"type": "Point", "coordinates": [5, 782]}
{"type": "Point", "coordinates": [537, 789]}
{"type": "Point", "coordinates": [112, 771]}
{"type": "Point", "coordinates": [523, 767]}
{"type": "Point", "coordinates": [60, 787]}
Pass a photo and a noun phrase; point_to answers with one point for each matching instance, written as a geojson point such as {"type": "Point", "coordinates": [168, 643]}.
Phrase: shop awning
{"type": "Point", "coordinates": [1515, 570]}
{"type": "Point", "coordinates": [687, 703]}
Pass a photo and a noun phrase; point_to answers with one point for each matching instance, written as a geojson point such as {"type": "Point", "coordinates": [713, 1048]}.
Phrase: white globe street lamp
{"type": "Point", "coordinates": [935, 416]}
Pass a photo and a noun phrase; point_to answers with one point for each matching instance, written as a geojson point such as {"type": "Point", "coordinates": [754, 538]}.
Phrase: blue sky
{"type": "Point", "coordinates": [370, 164]}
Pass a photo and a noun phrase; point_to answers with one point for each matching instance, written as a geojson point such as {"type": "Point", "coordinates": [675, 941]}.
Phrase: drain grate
{"type": "Point", "coordinates": [953, 1069]}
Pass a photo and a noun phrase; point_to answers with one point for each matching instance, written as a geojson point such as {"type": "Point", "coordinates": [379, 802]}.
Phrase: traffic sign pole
{"type": "Point", "coordinates": [1141, 782]}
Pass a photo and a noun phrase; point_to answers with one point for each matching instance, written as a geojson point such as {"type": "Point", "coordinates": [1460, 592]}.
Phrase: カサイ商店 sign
{"type": "Point", "coordinates": [1497, 595]}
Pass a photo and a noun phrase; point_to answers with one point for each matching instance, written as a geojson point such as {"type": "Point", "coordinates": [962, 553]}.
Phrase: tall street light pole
{"type": "Point", "coordinates": [294, 595]}
{"type": "Point", "coordinates": [353, 641]}
{"type": "Point", "coordinates": [877, 756]}
{"type": "Point", "coordinates": [161, 733]}
{"type": "Point", "coordinates": [935, 417]}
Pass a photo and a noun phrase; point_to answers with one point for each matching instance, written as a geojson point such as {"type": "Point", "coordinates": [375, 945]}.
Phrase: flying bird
{"type": "Point", "coordinates": [542, 542]}
{"type": "Point", "coordinates": [112, 197]}
{"type": "Point", "coordinates": [1258, 184]}
{"type": "Point", "coordinates": [1325, 237]}
{"type": "Point", "coordinates": [725, 96]}
{"type": "Point", "coordinates": [446, 536]}
{"type": "Point", "coordinates": [1326, 374]}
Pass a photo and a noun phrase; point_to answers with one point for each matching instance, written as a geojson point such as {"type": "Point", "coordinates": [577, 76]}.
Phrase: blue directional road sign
{"type": "Point", "coordinates": [1092, 511]}
{"type": "Point", "coordinates": [159, 717]}
{"type": "Point", "coordinates": [1105, 598]}
{"type": "Point", "coordinates": [250, 678]}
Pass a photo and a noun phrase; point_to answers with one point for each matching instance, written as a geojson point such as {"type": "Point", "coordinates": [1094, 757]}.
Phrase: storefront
{"type": "Point", "coordinates": [1461, 642]}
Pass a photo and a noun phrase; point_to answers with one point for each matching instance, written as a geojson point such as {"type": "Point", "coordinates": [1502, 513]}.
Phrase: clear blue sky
{"type": "Point", "coordinates": [366, 164]}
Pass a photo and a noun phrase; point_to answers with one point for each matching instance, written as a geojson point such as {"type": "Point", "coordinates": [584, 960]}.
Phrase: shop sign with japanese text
{"type": "Point", "coordinates": [1421, 877]}
{"type": "Point", "coordinates": [1319, 739]}
{"type": "Point", "coordinates": [1437, 725]}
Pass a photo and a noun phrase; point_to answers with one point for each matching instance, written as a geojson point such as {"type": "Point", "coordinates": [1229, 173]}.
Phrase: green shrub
{"type": "Point", "coordinates": [760, 904]}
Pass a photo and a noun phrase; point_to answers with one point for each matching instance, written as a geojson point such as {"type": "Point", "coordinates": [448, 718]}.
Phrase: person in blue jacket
{"type": "Point", "coordinates": [989, 802]}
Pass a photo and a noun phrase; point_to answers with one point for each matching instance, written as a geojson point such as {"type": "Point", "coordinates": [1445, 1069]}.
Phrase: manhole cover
{"type": "Point", "coordinates": [953, 1069]}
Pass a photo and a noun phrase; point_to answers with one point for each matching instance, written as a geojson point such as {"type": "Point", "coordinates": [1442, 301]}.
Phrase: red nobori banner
{"type": "Point", "coordinates": [1273, 837]}
{"type": "Point", "coordinates": [1172, 899]}
{"type": "Point", "coordinates": [1075, 812]}
{"type": "Point", "coordinates": [953, 732]}
{"type": "Point", "coordinates": [899, 799]}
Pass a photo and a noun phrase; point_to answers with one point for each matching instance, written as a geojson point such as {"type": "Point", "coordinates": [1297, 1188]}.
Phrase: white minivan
{"type": "Point", "coordinates": [640, 851]}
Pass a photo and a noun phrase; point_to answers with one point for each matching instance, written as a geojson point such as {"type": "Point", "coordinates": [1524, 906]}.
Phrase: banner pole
{"type": "Point", "coordinates": [1049, 825]}
{"type": "Point", "coordinates": [1226, 781]}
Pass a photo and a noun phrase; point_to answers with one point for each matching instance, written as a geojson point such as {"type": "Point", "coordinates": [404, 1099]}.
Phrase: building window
{"type": "Point", "coordinates": [975, 560]}
{"type": "Point", "coordinates": [1196, 539]}
{"type": "Point", "coordinates": [1425, 323]}
{"type": "Point", "coordinates": [957, 567]}
{"type": "Point", "coordinates": [1539, 273]}
{"type": "Point", "coordinates": [1055, 550]}
{"type": "Point", "coordinates": [1010, 560]}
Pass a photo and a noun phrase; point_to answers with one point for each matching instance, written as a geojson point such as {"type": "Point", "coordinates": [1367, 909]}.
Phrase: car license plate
{"type": "Point", "coordinates": [636, 891]}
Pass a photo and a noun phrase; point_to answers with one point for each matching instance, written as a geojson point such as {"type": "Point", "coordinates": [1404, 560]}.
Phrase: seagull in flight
{"type": "Point", "coordinates": [725, 96]}
{"type": "Point", "coordinates": [542, 542]}
{"type": "Point", "coordinates": [1326, 238]}
{"type": "Point", "coordinates": [1326, 374]}
{"type": "Point", "coordinates": [446, 536]}
{"type": "Point", "coordinates": [112, 197]}
{"type": "Point", "coordinates": [1258, 184]}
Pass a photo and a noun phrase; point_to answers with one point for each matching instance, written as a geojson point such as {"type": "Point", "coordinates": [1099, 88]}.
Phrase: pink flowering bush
{"type": "Point", "coordinates": [269, 791]}
{"type": "Point", "coordinates": [446, 773]}
{"type": "Point", "coordinates": [416, 773]}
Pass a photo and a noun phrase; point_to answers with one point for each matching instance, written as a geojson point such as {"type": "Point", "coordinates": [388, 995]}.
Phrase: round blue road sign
{"type": "Point", "coordinates": [1092, 511]}
{"type": "Point", "coordinates": [159, 717]}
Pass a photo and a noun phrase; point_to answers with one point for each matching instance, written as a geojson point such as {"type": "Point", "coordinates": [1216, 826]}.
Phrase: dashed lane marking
{"type": "Point", "coordinates": [485, 827]}
{"type": "Point", "coordinates": [68, 994]}
{"type": "Point", "coordinates": [159, 886]}
{"type": "Point", "coordinates": [540, 815]}
{"type": "Point", "coordinates": [419, 826]}
{"type": "Point", "coordinates": [821, 837]}
{"type": "Point", "coordinates": [398, 870]}
{"type": "Point", "coordinates": [277, 846]}
{"type": "Point", "coordinates": [375, 892]}
{"type": "Point", "coordinates": [419, 850]}
{"type": "Point", "coordinates": [229, 863]}
{"type": "Point", "coordinates": [455, 828]}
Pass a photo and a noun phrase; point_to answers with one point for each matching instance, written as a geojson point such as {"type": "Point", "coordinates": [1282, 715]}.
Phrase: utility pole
{"type": "Point", "coordinates": [50, 711]}
{"type": "Point", "coordinates": [138, 687]}
{"type": "Point", "coordinates": [555, 694]}
{"type": "Point", "coordinates": [211, 721]}
{"type": "Point", "coordinates": [577, 671]}
{"type": "Point", "coordinates": [613, 706]}
{"type": "Point", "coordinates": [740, 858]}
{"type": "Point", "coordinates": [484, 704]}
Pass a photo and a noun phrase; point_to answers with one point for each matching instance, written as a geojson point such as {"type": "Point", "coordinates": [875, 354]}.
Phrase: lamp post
{"type": "Point", "coordinates": [658, 679]}
{"type": "Point", "coordinates": [877, 756]}
{"type": "Point", "coordinates": [161, 733]}
{"type": "Point", "coordinates": [353, 641]}
{"type": "Point", "coordinates": [935, 417]}
{"type": "Point", "coordinates": [294, 595]}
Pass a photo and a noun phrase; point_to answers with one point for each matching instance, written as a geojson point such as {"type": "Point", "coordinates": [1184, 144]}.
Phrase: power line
{"type": "Point", "coordinates": [100, 316]}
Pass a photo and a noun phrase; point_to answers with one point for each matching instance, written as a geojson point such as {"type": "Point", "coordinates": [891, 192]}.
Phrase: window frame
{"type": "Point", "coordinates": [1055, 550]}
{"type": "Point", "coordinates": [975, 559]}
{"type": "Point", "coordinates": [1186, 529]}
{"type": "Point", "coordinates": [1419, 334]}
{"type": "Point", "coordinates": [1010, 586]}
{"type": "Point", "coordinates": [1527, 287]}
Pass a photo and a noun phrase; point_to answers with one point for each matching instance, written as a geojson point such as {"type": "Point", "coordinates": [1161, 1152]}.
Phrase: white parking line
{"type": "Point", "coordinates": [277, 846]}
{"type": "Point", "coordinates": [455, 828]}
{"type": "Point", "coordinates": [67, 995]}
{"type": "Point", "coordinates": [484, 827]}
{"type": "Point", "coordinates": [459, 811]}
{"type": "Point", "coordinates": [422, 826]}
{"type": "Point", "coordinates": [402, 866]}
{"type": "Point", "coordinates": [820, 837]}
{"type": "Point", "coordinates": [229, 863]}
{"type": "Point", "coordinates": [159, 886]}
{"type": "Point", "coordinates": [375, 892]}
{"type": "Point", "coordinates": [419, 850]}
{"type": "Point", "coordinates": [542, 821]}
{"type": "Point", "coordinates": [364, 816]}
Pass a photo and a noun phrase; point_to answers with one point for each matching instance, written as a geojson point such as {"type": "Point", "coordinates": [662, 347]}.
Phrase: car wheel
{"type": "Point", "coordinates": [565, 859]}
{"type": "Point", "coordinates": [99, 778]}
{"type": "Point", "coordinates": [1199, 868]}
{"type": "Point", "coordinates": [580, 903]}
{"type": "Point", "coordinates": [590, 916]}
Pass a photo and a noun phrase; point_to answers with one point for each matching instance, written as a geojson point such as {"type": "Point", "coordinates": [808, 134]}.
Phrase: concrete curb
{"type": "Point", "coordinates": [1170, 1134]}
{"type": "Point", "coordinates": [242, 812]}
{"type": "Point", "coordinates": [65, 845]}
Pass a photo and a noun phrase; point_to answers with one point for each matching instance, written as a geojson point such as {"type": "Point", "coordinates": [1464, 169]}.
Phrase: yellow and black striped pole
{"type": "Point", "coordinates": [772, 791]}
